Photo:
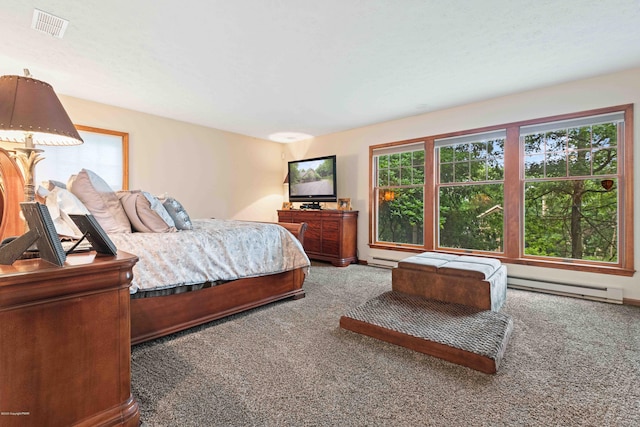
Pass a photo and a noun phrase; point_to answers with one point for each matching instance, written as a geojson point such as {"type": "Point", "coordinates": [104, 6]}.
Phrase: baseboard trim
{"type": "Point", "coordinates": [630, 301]}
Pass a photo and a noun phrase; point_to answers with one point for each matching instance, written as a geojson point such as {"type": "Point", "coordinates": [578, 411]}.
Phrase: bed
{"type": "Point", "coordinates": [169, 300]}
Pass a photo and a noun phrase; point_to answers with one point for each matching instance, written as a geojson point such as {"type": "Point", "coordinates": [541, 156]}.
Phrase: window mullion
{"type": "Point", "coordinates": [513, 193]}
{"type": "Point", "coordinates": [430, 195]}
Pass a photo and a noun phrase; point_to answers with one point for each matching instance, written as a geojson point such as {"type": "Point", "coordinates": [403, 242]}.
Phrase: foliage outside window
{"type": "Point", "coordinates": [550, 192]}
{"type": "Point", "coordinates": [571, 190]}
{"type": "Point", "coordinates": [471, 192]}
{"type": "Point", "coordinates": [400, 196]}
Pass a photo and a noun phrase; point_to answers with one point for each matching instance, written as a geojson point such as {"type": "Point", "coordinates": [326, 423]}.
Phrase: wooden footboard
{"type": "Point", "coordinates": [158, 316]}
{"type": "Point", "coordinates": [155, 317]}
{"type": "Point", "coordinates": [297, 229]}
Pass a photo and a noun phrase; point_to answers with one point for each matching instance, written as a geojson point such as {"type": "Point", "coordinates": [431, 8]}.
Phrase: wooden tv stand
{"type": "Point", "coordinates": [65, 342]}
{"type": "Point", "coordinates": [331, 234]}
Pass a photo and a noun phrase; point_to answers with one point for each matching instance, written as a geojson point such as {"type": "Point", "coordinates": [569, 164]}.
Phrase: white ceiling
{"type": "Point", "coordinates": [256, 67]}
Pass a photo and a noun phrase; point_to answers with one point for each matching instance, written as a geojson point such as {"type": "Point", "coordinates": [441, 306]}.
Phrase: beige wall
{"type": "Point", "coordinates": [226, 175]}
{"type": "Point", "coordinates": [353, 155]}
{"type": "Point", "coordinates": [211, 172]}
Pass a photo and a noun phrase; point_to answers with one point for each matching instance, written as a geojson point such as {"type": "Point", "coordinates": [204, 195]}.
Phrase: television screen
{"type": "Point", "coordinates": [313, 180]}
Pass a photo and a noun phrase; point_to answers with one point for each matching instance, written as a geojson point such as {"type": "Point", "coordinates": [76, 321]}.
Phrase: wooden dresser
{"type": "Point", "coordinates": [65, 347]}
{"type": "Point", "coordinates": [331, 234]}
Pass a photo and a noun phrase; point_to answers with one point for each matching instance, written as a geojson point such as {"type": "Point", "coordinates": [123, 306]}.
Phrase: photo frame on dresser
{"type": "Point", "coordinates": [344, 204]}
{"type": "Point", "coordinates": [95, 234]}
{"type": "Point", "coordinates": [42, 234]}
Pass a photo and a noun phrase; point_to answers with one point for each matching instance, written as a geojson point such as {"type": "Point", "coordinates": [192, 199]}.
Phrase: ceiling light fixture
{"type": "Point", "coordinates": [289, 137]}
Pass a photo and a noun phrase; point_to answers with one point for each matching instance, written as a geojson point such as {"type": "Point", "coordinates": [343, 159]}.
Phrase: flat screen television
{"type": "Point", "coordinates": [312, 181]}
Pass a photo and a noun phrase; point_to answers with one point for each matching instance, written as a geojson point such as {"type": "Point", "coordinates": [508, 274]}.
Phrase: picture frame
{"type": "Point", "coordinates": [286, 206]}
{"type": "Point", "coordinates": [94, 233]}
{"type": "Point", "coordinates": [344, 204]}
{"type": "Point", "coordinates": [41, 232]}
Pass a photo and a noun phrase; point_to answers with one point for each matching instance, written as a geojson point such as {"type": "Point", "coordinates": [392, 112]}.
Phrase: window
{"type": "Point", "coordinates": [571, 202]}
{"type": "Point", "coordinates": [104, 152]}
{"type": "Point", "coordinates": [550, 192]}
{"type": "Point", "coordinates": [471, 191]}
{"type": "Point", "coordinates": [399, 192]}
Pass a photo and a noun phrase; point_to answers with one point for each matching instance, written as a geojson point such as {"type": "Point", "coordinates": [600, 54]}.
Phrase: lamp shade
{"type": "Point", "coordinates": [30, 107]}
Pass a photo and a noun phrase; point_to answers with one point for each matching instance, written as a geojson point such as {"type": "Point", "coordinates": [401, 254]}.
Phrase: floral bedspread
{"type": "Point", "coordinates": [214, 250]}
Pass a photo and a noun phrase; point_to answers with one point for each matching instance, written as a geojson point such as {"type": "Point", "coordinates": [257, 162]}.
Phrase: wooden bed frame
{"type": "Point", "coordinates": [157, 316]}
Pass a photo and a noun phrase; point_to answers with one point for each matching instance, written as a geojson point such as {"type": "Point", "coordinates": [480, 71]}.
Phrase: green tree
{"type": "Point", "coordinates": [572, 218]}
{"type": "Point", "coordinates": [401, 197]}
{"type": "Point", "coordinates": [471, 195]}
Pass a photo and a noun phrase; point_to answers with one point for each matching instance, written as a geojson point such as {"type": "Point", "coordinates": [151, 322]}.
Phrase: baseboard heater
{"type": "Point", "coordinates": [596, 293]}
{"type": "Point", "coordinates": [383, 262]}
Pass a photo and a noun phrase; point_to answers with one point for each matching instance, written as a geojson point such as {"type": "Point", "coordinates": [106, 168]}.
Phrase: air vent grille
{"type": "Point", "coordinates": [49, 24]}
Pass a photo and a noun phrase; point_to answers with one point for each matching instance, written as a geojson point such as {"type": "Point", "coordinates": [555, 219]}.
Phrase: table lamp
{"type": "Point", "coordinates": [31, 113]}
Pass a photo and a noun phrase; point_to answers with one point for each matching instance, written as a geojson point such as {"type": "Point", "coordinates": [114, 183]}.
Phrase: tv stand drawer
{"type": "Point", "coordinates": [331, 234]}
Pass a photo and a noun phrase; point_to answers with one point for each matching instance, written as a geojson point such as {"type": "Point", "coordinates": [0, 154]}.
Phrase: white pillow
{"type": "Point", "coordinates": [101, 200]}
{"type": "Point", "coordinates": [61, 203]}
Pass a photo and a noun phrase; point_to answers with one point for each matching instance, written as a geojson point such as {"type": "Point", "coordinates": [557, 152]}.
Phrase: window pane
{"type": "Point", "coordinates": [418, 175]}
{"type": "Point", "coordinates": [461, 171]}
{"type": "Point", "coordinates": [534, 144]}
{"type": "Point", "coordinates": [405, 159]}
{"type": "Point", "coordinates": [401, 215]}
{"type": "Point", "coordinates": [383, 177]}
{"type": "Point", "coordinates": [478, 171]}
{"type": "Point", "coordinates": [556, 141]}
{"type": "Point", "coordinates": [555, 165]}
{"type": "Point", "coordinates": [495, 148]}
{"type": "Point", "coordinates": [446, 172]}
{"type": "Point", "coordinates": [446, 154]}
{"type": "Point", "coordinates": [534, 166]}
{"type": "Point", "coordinates": [580, 163]}
{"type": "Point", "coordinates": [605, 135]}
{"type": "Point", "coordinates": [394, 176]}
{"type": "Point", "coordinates": [461, 152]}
{"type": "Point", "coordinates": [575, 219]}
{"type": "Point", "coordinates": [605, 162]}
{"type": "Point", "coordinates": [580, 138]}
{"type": "Point", "coordinates": [479, 150]}
{"type": "Point", "coordinates": [496, 169]}
{"type": "Point", "coordinates": [383, 162]}
{"type": "Point", "coordinates": [471, 217]}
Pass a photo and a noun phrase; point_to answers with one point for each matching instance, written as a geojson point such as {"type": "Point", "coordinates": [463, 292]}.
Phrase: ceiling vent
{"type": "Point", "coordinates": [49, 24]}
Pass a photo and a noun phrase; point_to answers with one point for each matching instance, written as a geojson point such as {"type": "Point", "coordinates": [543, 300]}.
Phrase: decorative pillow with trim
{"type": "Point", "coordinates": [101, 200]}
{"type": "Point", "coordinates": [177, 212]}
{"type": "Point", "coordinates": [145, 212]}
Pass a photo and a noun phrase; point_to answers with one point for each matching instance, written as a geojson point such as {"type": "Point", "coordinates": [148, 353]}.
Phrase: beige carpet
{"type": "Point", "coordinates": [569, 362]}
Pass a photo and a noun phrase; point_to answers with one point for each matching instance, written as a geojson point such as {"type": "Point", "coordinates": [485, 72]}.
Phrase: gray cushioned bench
{"type": "Point", "coordinates": [469, 280]}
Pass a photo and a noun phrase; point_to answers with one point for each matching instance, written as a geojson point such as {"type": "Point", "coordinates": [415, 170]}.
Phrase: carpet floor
{"type": "Point", "coordinates": [569, 362]}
